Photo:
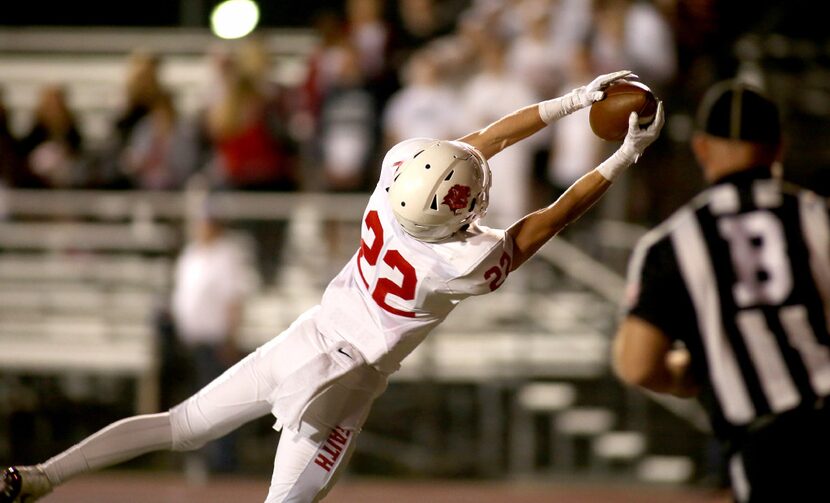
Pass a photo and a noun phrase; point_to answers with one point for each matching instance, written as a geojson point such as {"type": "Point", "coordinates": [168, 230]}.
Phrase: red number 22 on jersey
{"type": "Point", "coordinates": [498, 273]}
{"type": "Point", "coordinates": [385, 286]}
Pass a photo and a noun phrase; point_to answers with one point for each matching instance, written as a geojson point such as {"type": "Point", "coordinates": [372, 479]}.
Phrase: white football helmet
{"type": "Point", "coordinates": [442, 188]}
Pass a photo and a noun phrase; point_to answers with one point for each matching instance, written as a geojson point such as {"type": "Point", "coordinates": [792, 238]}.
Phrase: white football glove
{"type": "Point", "coordinates": [580, 97]}
{"type": "Point", "coordinates": [635, 143]}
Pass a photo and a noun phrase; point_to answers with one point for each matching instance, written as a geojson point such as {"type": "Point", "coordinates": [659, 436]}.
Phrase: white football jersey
{"type": "Point", "coordinates": [395, 289]}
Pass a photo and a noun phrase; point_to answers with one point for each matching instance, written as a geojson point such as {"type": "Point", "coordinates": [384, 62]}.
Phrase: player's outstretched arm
{"type": "Point", "coordinates": [535, 229]}
{"type": "Point", "coordinates": [528, 120]}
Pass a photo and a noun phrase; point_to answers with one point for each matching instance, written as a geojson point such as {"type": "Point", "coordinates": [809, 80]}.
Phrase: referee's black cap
{"type": "Point", "coordinates": [739, 111]}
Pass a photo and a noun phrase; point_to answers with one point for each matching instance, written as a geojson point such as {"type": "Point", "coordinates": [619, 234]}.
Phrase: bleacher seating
{"type": "Point", "coordinates": [90, 63]}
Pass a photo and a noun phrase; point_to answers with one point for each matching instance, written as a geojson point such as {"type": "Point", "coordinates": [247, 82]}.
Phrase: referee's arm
{"type": "Point", "coordinates": [644, 356]}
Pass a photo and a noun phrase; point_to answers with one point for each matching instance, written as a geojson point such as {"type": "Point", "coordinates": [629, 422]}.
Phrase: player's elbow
{"type": "Point", "coordinates": [639, 356]}
{"type": "Point", "coordinates": [625, 362]}
{"type": "Point", "coordinates": [641, 372]}
{"type": "Point", "coordinates": [485, 143]}
{"type": "Point", "coordinates": [649, 378]}
{"type": "Point", "coordinates": [633, 375]}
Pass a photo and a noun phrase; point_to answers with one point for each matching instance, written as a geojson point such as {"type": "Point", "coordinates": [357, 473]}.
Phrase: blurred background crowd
{"type": "Point", "coordinates": [384, 71]}
{"type": "Point", "coordinates": [375, 72]}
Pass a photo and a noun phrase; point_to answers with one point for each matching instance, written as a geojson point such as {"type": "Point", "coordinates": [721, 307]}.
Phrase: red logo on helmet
{"type": "Point", "coordinates": [457, 197]}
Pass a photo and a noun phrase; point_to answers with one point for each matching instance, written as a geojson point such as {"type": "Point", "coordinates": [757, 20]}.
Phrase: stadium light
{"type": "Point", "coordinates": [234, 18]}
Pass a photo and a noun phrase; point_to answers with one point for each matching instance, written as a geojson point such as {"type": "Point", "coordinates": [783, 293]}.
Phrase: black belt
{"type": "Point", "coordinates": [767, 420]}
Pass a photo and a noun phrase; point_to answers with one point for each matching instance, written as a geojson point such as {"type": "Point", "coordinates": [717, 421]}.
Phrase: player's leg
{"type": "Point", "coordinates": [12, 485]}
{"type": "Point", "coordinates": [308, 464]}
{"type": "Point", "coordinates": [309, 461]}
{"type": "Point", "coordinates": [114, 444]}
{"type": "Point", "coordinates": [243, 392]}
{"type": "Point", "coordinates": [237, 396]}
{"type": "Point", "coordinates": [234, 398]}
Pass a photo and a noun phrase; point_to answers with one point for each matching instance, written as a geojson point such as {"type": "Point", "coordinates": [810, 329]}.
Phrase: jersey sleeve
{"type": "Point", "coordinates": [483, 262]}
{"type": "Point", "coordinates": [655, 290]}
{"type": "Point", "coordinates": [396, 155]}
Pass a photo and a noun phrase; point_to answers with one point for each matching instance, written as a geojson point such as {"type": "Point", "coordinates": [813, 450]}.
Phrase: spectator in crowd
{"type": "Point", "coordinates": [142, 88]}
{"type": "Point", "coordinates": [323, 64]}
{"type": "Point", "coordinates": [572, 22]}
{"type": "Point", "coordinates": [12, 169]}
{"type": "Point", "coordinates": [370, 33]}
{"type": "Point", "coordinates": [424, 106]}
{"type": "Point", "coordinates": [455, 55]}
{"type": "Point", "coordinates": [162, 150]}
{"type": "Point", "coordinates": [419, 22]}
{"type": "Point", "coordinates": [347, 127]}
{"type": "Point", "coordinates": [250, 150]}
{"type": "Point", "coordinates": [245, 133]}
{"type": "Point", "coordinates": [492, 93]}
{"type": "Point", "coordinates": [531, 54]}
{"type": "Point", "coordinates": [573, 141]}
{"type": "Point", "coordinates": [347, 139]}
{"type": "Point", "coordinates": [281, 101]}
{"type": "Point", "coordinates": [246, 126]}
{"type": "Point", "coordinates": [210, 285]}
{"type": "Point", "coordinates": [506, 16]}
{"type": "Point", "coordinates": [636, 35]}
{"type": "Point", "coordinates": [53, 147]}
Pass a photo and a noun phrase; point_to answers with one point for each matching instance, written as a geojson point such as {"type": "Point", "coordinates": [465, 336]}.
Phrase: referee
{"type": "Point", "coordinates": [729, 300]}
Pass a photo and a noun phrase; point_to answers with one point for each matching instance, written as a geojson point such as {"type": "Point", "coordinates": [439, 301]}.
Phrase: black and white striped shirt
{"type": "Point", "coordinates": [741, 275]}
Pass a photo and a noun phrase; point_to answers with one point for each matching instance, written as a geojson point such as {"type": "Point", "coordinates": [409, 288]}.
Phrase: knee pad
{"type": "Point", "coordinates": [191, 429]}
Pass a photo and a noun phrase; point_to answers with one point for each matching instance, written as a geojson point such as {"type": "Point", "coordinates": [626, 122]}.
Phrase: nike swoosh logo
{"type": "Point", "coordinates": [340, 350]}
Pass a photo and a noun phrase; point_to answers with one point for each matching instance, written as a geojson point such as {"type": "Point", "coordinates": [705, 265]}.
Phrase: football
{"type": "Point", "coordinates": [609, 116]}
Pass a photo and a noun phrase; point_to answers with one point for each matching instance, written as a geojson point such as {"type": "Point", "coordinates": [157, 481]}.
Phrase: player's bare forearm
{"type": "Point", "coordinates": [524, 122]}
{"type": "Point", "coordinates": [533, 231]}
{"type": "Point", "coordinates": [506, 131]}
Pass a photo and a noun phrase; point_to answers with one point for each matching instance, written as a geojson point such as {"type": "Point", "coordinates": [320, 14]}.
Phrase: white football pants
{"type": "Point", "coordinates": [307, 461]}
{"type": "Point", "coordinates": [310, 455]}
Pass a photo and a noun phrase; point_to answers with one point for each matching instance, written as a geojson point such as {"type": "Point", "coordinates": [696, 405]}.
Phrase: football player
{"type": "Point", "coordinates": [421, 252]}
